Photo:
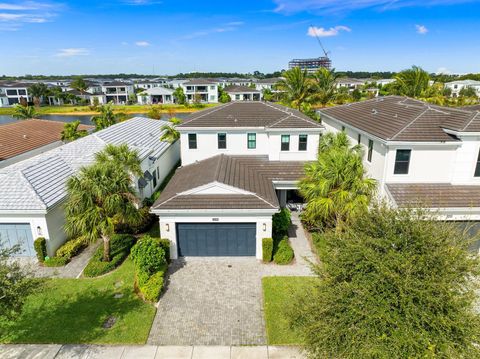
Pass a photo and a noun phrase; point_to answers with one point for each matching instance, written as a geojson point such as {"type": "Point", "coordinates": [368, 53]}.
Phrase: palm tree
{"type": "Point", "coordinates": [71, 132]}
{"type": "Point", "coordinates": [100, 196]}
{"type": "Point", "coordinates": [79, 84]}
{"type": "Point", "coordinates": [335, 186]}
{"type": "Point", "coordinates": [24, 112]}
{"type": "Point", "coordinates": [324, 86]}
{"type": "Point", "coordinates": [296, 86]}
{"type": "Point", "coordinates": [107, 117]}
{"type": "Point", "coordinates": [120, 156]}
{"type": "Point", "coordinates": [412, 82]}
{"type": "Point", "coordinates": [170, 133]}
{"type": "Point", "coordinates": [37, 91]}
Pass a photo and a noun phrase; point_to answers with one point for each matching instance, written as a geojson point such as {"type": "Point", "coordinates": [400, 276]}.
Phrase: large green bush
{"type": "Point", "coordinates": [151, 286]}
{"type": "Point", "coordinates": [284, 253]}
{"type": "Point", "coordinates": [40, 246]}
{"type": "Point", "coordinates": [146, 221]}
{"type": "Point", "coordinates": [148, 255]}
{"type": "Point", "coordinates": [71, 248]}
{"type": "Point", "coordinates": [165, 244]}
{"type": "Point", "coordinates": [280, 222]}
{"type": "Point", "coordinates": [267, 249]}
{"type": "Point", "coordinates": [120, 249]}
{"type": "Point", "coordinates": [392, 284]}
{"type": "Point", "coordinates": [55, 261]}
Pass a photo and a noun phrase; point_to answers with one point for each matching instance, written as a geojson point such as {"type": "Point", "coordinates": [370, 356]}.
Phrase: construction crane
{"type": "Point", "coordinates": [319, 42]}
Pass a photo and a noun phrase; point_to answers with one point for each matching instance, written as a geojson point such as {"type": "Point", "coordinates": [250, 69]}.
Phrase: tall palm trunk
{"type": "Point", "coordinates": [106, 248]}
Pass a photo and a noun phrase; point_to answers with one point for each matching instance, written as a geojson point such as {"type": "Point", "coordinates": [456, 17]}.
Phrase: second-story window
{"type": "Point", "coordinates": [302, 142]}
{"type": "Point", "coordinates": [251, 141]}
{"type": "Point", "coordinates": [222, 141]}
{"type": "Point", "coordinates": [359, 139]}
{"type": "Point", "coordinates": [285, 143]}
{"type": "Point", "coordinates": [370, 151]}
{"type": "Point", "coordinates": [402, 162]}
{"type": "Point", "coordinates": [477, 167]}
{"type": "Point", "coordinates": [192, 141]}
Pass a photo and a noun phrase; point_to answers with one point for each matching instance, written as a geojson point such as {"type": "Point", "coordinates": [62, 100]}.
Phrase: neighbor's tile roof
{"type": "Point", "coordinates": [250, 114]}
{"type": "Point", "coordinates": [199, 82]}
{"type": "Point", "coordinates": [240, 89]}
{"type": "Point", "coordinates": [434, 195]}
{"type": "Point", "coordinates": [23, 136]}
{"type": "Point", "coordinates": [38, 183]}
{"type": "Point", "coordinates": [253, 174]}
{"type": "Point", "coordinates": [396, 118]}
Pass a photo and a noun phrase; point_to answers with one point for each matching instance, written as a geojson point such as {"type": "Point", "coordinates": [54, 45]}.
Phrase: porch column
{"type": "Point", "coordinates": [283, 198]}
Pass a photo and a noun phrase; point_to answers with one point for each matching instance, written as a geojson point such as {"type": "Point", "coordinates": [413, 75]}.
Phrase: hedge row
{"type": "Point", "coordinates": [284, 253]}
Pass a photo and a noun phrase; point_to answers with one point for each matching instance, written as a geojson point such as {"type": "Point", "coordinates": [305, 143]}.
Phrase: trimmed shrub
{"type": "Point", "coordinates": [280, 222]}
{"type": "Point", "coordinates": [40, 245]}
{"type": "Point", "coordinates": [284, 253]}
{"type": "Point", "coordinates": [120, 245]}
{"type": "Point", "coordinates": [152, 288]}
{"type": "Point", "coordinates": [165, 244]}
{"type": "Point", "coordinates": [148, 255]}
{"type": "Point", "coordinates": [71, 248]}
{"type": "Point", "coordinates": [267, 249]}
{"type": "Point", "coordinates": [55, 261]}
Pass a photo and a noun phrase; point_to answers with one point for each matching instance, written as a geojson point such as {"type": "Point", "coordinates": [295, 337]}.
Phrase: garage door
{"type": "Point", "coordinates": [216, 239]}
{"type": "Point", "coordinates": [17, 234]}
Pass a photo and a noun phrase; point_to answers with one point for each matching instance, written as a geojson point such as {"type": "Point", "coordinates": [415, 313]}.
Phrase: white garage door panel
{"type": "Point", "coordinates": [17, 234]}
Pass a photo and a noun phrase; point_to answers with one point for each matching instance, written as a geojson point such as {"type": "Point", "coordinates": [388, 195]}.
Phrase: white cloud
{"type": "Point", "coordinates": [17, 14]}
{"type": "Point", "coordinates": [142, 43]}
{"type": "Point", "coordinates": [421, 29]}
{"type": "Point", "coordinates": [72, 52]}
{"type": "Point", "coordinates": [322, 32]}
{"type": "Point", "coordinates": [443, 71]}
{"type": "Point", "coordinates": [142, 2]}
{"type": "Point", "coordinates": [231, 26]}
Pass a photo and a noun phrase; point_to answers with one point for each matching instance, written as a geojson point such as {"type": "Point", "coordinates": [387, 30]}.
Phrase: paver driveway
{"type": "Point", "coordinates": [211, 301]}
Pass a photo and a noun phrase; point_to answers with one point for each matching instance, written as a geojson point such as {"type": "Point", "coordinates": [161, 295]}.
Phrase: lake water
{"type": "Point", "coordinates": [85, 119]}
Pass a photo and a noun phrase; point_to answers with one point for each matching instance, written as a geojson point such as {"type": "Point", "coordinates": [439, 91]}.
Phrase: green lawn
{"type": "Point", "coordinates": [74, 310]}
{"type": "Point", "coordinates": [278, 293]}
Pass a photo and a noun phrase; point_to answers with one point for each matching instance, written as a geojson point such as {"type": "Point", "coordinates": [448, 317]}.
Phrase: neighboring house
{"type": "Point", "coordinates": [3, 98]}
{"type": "Point", "coordinates": [149, 84]}
{"type": "Point", "coordinates": [175, 83]}
{"type": "Point", "coordinates": [267, 84]}
{"type": "Point", "coordinates": [420, 154]}
{"type": "Point", "coordinates": [16, 91]}
{"type": "Point", "coordinates": [155, 95]}
{"type": "Point", "coordinates": [24, 139]}
{"type": "Point", "coordinates": [85, 96]}
{"type": "Point", "coordinates": [32, 191]}
{"type": "Point", "coordinates": [243, 93]}
{"type": "Point", "coordinates": [350, 84]}
{"type": "Point", "coordinates": [117, 91]}
{"type": "Point", "coordinates": [457, 86]}
{"type": "Point", "coordinates": [235, 82]}
{"type": "Point", "coordinates": [241, 162]}
{"type": "Point", "coordinates": [205, 91]}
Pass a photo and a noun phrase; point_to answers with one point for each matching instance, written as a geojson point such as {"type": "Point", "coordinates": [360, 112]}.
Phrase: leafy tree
{"type": "Point", "coordinates": [132, 99]}
{"type": "Point", "coordinates": [335, 186]}
{"type": "Point", "coordinates": [16, 283]}
{"type": "Point", "coordinates": [170, 133]}
{"type": "Point", "coordinates": [268, 95]}
{"type": "Point", "coordinates": [121, 156]}
{"type": "Point", "coordinates": [412, 82]}
{"type": "Point", "coordinates": [223, 97]}
{"type": "Point", "coordinates": [100, 196]}
{"type": "Point", "coordinates": [447, 91]}
{"type": "Point", "coordinates": [71, 132]}
{"type": "Point", "coordinates": [79, 84]}
{"type": "Point", "coordinates": [356, 95]}
{"type": "Point", "coordinates": [107, 117]}
{"type": "Point", "coordinates": [24, 112]}
{"type": "Point", "coordinates": [324, 86]}
{"type": "Point", "coordinates": [468, 92]}
{"type": "Point", "coordinates": [180, 96]}
{"type": "Point", "coordinates": [155, 112]}
{"type": "Point", "coordinates": [394, 284]}
{"type": "Point", "coordinates": [296, 87]}
{"type": "Point", "coordinates": [38, 91]}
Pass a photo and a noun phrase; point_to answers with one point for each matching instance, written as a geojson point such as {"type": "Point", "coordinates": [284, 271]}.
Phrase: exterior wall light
{"type": "Point", "coordinates": [39, 231]}
{"type": "Point", "coordinates": [264, 227]}
{"type": "Point", "coordinates": [167, 227]}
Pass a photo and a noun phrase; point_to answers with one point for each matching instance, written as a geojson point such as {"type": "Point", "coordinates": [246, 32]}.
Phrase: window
{"type": "Point", "coordinates": [302, 142]}
{"type": "Point", "coordinates": [192, 141]}
{"type": "Point", "coordinates": [285, 143]}
{"type": "Point", "coordinates": [154, 178]}
{"type": "Point", "coordinates": [402, 161]}
{"type": "Point", "coordinates": [212, 87]}
{"type": "Point", "coordinates": [370, 150]}
{"type": "Point", "coordinates": [359, 139]}
{"type": "Point", "coordinates": [251, 140]}
{"type": "Point", "coordinates": [222, 140]}
{"type": "Point", "coordinates": [477, 167]}
{"type": "Point", "coordinates": [22, 92]}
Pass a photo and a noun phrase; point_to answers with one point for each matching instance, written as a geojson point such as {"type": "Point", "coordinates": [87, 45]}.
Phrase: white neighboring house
{"type": "Point", "coordinates": [241, 163]}
{"type": "Point", "coordinates": [420, 154]}
{"type": "Point", "coordinates": [149, 84]}
{"type": "Point", "coordinates": [117, 91]}
{"type": "Point", "coordinates": [457, 86]}
{"type": "Point", "coordinates": [3, 98]}
{"type": "Point", "coordinates": [33, 191]}
{"type": "Point", "coordinates": [206, 91]}
{"type": "Point", "coordinates": [350, 84]}
{"type": "Point", "coordinates": [243, 93]}
{"type": "Point", "coordinates": [155, 95]}
{"type": "Point", "coordinates": [267, 84]}
{"type": "Point", "coordinates": [16, 91]}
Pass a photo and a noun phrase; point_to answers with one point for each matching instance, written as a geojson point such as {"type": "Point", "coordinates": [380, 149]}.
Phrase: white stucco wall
{"type": "Point", "coordinates": [466, 160]}
{"type": "Point", "coordinates": [55, 234]}
{"type": "Point", "coordinates": [35, 220]}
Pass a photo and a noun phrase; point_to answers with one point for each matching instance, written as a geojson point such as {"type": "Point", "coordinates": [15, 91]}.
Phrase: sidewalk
{"type": "Point", "coordinates": [53, 351]}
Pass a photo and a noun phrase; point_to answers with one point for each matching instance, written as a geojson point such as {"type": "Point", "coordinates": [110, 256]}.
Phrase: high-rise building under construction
{"type": "Point", "coordinates": [311, 65]}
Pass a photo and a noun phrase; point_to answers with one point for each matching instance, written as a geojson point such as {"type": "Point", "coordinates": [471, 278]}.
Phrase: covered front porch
{"type": "Point", "coordinates": [288, 195]}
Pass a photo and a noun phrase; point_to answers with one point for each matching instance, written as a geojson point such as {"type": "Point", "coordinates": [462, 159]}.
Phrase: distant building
{"type": "Point", "coordinates": [117, 91]}
{"type": "Point", "coordinates": [311, 65]}
{"type": "Point", "coordinates": [457, 86]}
{"type": "Point", "coordinates": [267, 84]}
{"type": "Point", "coordinates": [204, 91]}
{"type": "Point", "coordinates": [243, 93]}
{"type": "Point", "coordinates": [155, 95]}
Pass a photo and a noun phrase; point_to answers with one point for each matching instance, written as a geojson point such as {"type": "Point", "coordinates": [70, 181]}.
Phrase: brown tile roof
{"type": "Point", "coordinates": [250, 114]}
{"type": "Point", "coordinates": [23, 136]}
{"type": "Point", "coordinates": [240, 89]}
{"type": "Point", "coordinates": [253, 174]}
{"type": "Point", "coordinates": [396, 118]}
{"type": "Point", "coordinates": [434, 195]}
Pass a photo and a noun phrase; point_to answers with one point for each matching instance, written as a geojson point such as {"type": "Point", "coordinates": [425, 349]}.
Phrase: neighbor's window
{"type": "Point", "coordinates": [251, 140]}
{"type": "Point", "coordinates": [302, 142]}
{"type": "Point", "coordinates": [285, 143]}
{"type": "Point", "coordinates": [402, 162]}
{"type": "Point", "coordinates": [370, 150]}
{"type": "Point", "coordinates": [192, 141]}
{"type": "Point", "coordinates": [477, 167]}
{"type": "Point", "coordinates": [222, 141]}
{"type": "Point", "coordinates": [359, 139]}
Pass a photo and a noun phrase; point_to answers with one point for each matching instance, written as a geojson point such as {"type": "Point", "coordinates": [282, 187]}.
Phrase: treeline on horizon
{"type": "Point", "coordinates": [255, 74]}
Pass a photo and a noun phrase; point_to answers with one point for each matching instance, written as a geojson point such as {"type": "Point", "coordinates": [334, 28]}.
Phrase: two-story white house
{"type": "Point", "coordinates": [240, 162]}
{"type": "Point", "coordinates": [15, 92]}
{"type": "Point", "coordinates": [243, 93]}
{"type": "Point", "coordinates": [204, 91]}
{"type": "Point", "coordinates": [421, 155]}
{"type": "Point", "coordinates": [457, 86]}
{"type": "Point", "coordinates": [117, 91]}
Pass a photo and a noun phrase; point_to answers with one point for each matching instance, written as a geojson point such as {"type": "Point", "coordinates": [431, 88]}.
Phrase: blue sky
{"type": "Point", "coordinates": [171, 36]}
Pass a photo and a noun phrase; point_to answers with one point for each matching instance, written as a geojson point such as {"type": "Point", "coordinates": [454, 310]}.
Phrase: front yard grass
{"type": "Point", "coordinates": [74, 311]}
{"type": "Point", "coordinates": [278, 294]}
